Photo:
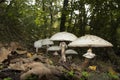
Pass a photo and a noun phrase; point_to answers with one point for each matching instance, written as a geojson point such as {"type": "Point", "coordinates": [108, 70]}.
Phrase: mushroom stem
{"type": "Point", "coordinates": [63, 55]}
{"type": "Point", "coordinates": [63, 47]}
{"type": "Point", "coordinates": [85, 63]}
{"type": "Point", "coordinates": [36, 49]}
{"type": "Point", "coordinates": [89, 55]}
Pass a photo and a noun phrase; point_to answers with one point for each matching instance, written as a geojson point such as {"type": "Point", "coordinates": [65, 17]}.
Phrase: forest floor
{"type": "Point", "coordinates": [26, 65]}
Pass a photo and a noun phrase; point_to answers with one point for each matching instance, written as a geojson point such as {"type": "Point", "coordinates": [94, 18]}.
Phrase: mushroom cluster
{"type": "Point", "coordinates": [67, 40]}
{"type": "Point", "coordinates": [63, 37]}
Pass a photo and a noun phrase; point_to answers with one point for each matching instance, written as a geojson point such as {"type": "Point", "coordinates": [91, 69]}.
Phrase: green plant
{"type": "Point", "coordinates": [7, 78]}
{"type": "Point", "coordinates": [113, 76]}
{"type": "Point", "coordinates": [71, 73]}
{"type": "Point", "coordinates": [85, 74]}
{"type": "Point", "coordinates": [32, 77]}
{"type": "Point", "coordinates": [99, 76]}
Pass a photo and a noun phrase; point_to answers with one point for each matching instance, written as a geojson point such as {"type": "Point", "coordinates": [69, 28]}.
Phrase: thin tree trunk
{"type": "Point", "coordinates": [71, 16]}
{"type": "Point", "coordinates": [63, 16]}
{"type": "Point", "coordinates": [51, 17]}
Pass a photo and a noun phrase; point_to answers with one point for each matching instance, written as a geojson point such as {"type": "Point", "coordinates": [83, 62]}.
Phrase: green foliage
{"type": "Point", "coordinates": [85, 74]}
{"type": "Point", "coordinates": [71, 73]}
{"type": "Point", "coordinates": [99, 76]}
{"type": "Point", "coordinates": [8, 78]}
{"type": "Point", "coordinates": [113, 76]}
{"type": "Point", "coordinates": [32, 77]}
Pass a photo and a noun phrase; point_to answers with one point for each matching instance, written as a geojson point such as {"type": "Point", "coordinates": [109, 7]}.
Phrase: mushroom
{"type": "Point", "coordinates": [54, 48]}
{"type": "Point", "coordinates": [70, 51]}
{"type": "Point", "coordinates": [47, 42]}
{"type": "Point", "coordinates": [88, 55]}
{"type": "Point", "coordinates": [38, 44]}
{"type": "Point", "coordinates": [63, 36]}
{"type": "Point", "coordinates": [90, 41]}
{"type": "Point", "coordinates": [63, 46]}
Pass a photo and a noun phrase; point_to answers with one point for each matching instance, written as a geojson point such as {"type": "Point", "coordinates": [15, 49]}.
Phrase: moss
{"type": "Point", "coordinates": [7, 78]}
{"type": "Point", "coordinates": [32, 77]}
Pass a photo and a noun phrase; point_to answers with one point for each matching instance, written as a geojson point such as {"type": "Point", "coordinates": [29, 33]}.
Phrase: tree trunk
{"type": "Point", "coordinates": [1, 1]}
{"type": "Point", "coordinates": [71, 17]}
{"type": "Point", "coordinates": [63, 16]}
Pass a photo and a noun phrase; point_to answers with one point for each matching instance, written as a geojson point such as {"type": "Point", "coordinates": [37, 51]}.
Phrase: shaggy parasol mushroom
{"type": "Point", "coordinates": [38, 44]}
{"type": "Point", "coordinates": [47, 42]}
{"type": "Point", "coordinates": [90, 41]}
{"type": "Point", "coordinates": [88, 55]}
{"type": "Point", "coordinates": [54, 48]}
{"type": "Point", "coordinates": [63, 36]}
{"type": "Point", "coordinates": [69, 52]}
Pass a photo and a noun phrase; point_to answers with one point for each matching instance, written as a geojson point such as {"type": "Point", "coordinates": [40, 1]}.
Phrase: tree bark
{"type": "Point", "coordinates": [63, 16]}
{"type": "Point", "coordinates": [1, 1]}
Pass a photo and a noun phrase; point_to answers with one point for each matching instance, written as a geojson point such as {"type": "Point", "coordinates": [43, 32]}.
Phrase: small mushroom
{"type": "Point", "coordinates": [89, 55]}
{"type": "Point", "coordinates": [55, 53]}
{"type": "Point", "coordinates": [54, 48]}
{"type": "Point", "coordinates": [38, 44]}
{"type": "Point", "coordinates": [47, 42]}
{"type": "Point", "coordinates": [69, 52]}
{"type": "Point", "coordinates": [63, 37]}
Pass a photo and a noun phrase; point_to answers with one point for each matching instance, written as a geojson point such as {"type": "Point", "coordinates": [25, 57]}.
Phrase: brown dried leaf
{"type": "Point", "coordinates": [4, 54]}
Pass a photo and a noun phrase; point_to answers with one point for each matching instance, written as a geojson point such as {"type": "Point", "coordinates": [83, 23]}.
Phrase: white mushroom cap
{"type": "Point", "coordinates": [70, 51]}
{"type": "Point", "coordinates": [63, 36]}
{"type": "Point", "coordinates": [55, 53]}
{"type": "Point", "coordinates": [38, 44]}
{"type": "Point", "coordinates": [47, 42]}
{"type": "Point", "coordinates": [89, 54]}
{"type": "Point", "coordinates": [54, 48]}
{"type": "Point", "coordinates": [90, 41]}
